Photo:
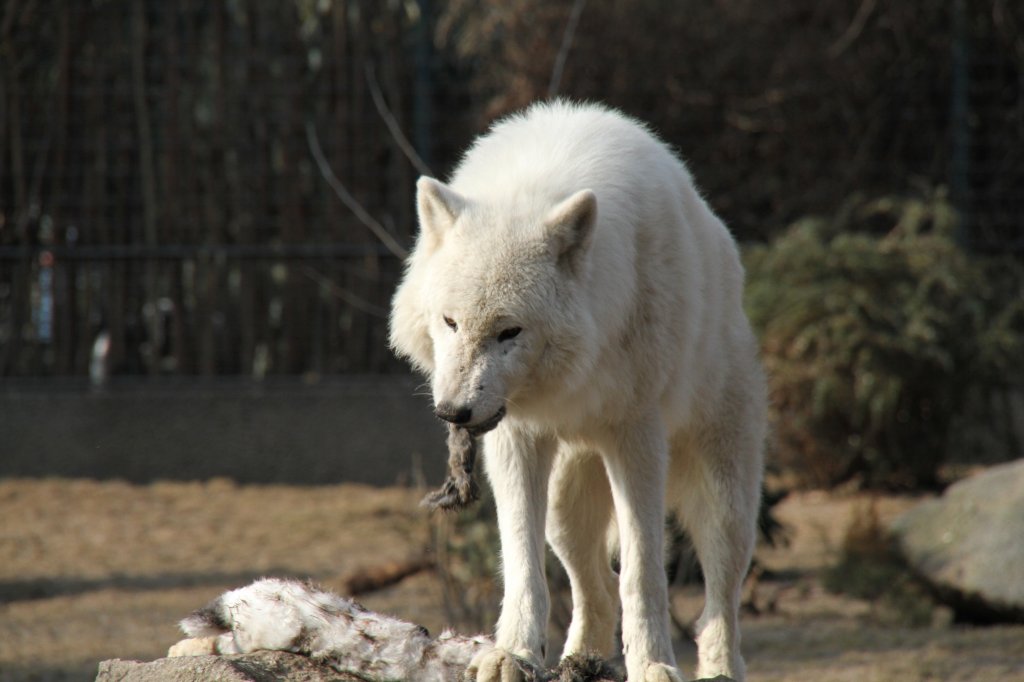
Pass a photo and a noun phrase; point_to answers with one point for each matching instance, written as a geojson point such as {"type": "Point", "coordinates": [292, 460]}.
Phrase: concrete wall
{"type": "Point", "coordinates": [364, 429]}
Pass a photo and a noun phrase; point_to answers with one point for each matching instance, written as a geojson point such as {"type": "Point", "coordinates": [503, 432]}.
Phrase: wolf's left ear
{"type": "Point", "coordinates": [438, 207]}
{"type": "Point", "coordinates": [570, 225]}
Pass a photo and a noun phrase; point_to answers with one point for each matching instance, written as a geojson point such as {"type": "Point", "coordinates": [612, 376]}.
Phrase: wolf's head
{"type": "Point", "coordinates": [488, 307]}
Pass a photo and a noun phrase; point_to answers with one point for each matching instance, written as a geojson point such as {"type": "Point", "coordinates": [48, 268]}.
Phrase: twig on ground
{"type": "Point", "coordinates": [379, 576]}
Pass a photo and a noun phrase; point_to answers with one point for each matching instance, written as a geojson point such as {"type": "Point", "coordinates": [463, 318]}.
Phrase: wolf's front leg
{"type": "Point", "coordinates": [518, 466]}
{"type": "Point", "coordinates": [636, 459]}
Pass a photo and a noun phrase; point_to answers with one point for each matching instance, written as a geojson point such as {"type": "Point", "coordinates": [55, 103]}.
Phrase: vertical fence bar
{"type": "Point", "coordinates": [423, 112]}
{"type": "Point", "coordinates": [961, 134]}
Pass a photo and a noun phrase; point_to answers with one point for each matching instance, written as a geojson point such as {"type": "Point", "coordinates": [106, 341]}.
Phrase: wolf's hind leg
{"type": "Point", "coordinates": [579, 514]}
{"type": "Point", "coordinates": [719, 503]}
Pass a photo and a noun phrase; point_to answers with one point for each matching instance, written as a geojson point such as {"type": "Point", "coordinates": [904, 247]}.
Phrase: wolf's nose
{"type": "Point", "coordinates": [455, 415]}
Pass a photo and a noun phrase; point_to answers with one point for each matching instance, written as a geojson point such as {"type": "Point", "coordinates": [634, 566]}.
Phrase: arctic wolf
{"type": "Point", "coordinates": [571, 294]}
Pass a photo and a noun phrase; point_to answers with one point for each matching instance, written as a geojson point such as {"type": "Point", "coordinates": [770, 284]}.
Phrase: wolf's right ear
{"type": "Point", "coordinates": [438, 207]}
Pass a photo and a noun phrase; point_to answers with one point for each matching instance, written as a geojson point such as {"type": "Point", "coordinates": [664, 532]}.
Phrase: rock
{"type": "Point", "coordinates": [262, 666]}
{"type": "Point", "coordinates": [968, 545]}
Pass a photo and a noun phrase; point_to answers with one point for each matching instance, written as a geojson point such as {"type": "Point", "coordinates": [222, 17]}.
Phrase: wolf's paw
{"type": "Point", "coordinates": [497, 665]}
{"type": "Point", "coordinates": [660, 672]}
{"type": "Point", "coordinates": [194, 646]}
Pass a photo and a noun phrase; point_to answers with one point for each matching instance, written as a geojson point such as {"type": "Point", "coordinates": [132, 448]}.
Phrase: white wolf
{"type": "Point", "coordinates": [572, 294]}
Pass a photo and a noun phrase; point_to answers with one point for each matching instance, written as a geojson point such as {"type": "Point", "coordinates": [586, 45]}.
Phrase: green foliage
{"type": "Point", "coordinates": [875, 326]}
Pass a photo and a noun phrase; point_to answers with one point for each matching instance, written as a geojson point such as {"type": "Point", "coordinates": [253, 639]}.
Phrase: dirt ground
{"type": "Point", "coordinates": [95, 570]}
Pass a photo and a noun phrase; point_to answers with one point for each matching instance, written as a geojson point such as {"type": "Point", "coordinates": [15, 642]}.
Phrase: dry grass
{"type": "Point", "coordinates": [91, 570]}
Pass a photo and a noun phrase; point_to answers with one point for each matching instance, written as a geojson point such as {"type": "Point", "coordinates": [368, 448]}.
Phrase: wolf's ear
{"type": "Point", "coordinates": [438, 206]}
{"type": "Point", "coordinates": [569, 227]}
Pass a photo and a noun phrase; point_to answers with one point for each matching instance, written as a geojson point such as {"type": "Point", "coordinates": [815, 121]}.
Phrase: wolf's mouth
{"type": "Point", "coordinates": [485, 426]}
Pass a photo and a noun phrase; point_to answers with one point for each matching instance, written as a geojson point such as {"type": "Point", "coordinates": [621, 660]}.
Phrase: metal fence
{"type": "Point", "coordinates": [163, 209]}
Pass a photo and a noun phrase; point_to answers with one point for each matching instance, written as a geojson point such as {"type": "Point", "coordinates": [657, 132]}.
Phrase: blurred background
{"type": "Point", "coordinates": [204, 208]}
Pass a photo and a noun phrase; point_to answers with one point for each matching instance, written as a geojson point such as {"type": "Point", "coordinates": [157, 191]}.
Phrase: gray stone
{"type": "Point", "coordinates": [262, 666]}
{"type": "Point", "coordinates": [968, 544]}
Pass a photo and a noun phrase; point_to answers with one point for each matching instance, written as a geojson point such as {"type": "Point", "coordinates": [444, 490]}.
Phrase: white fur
{"type": "Point", "coordinates": [633, 387]}
{"type": "Point", "coordinates": [285, 615]}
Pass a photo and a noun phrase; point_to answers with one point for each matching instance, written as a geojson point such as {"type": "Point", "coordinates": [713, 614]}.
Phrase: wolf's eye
{"type": "Point", "coordinates": [510, 333]}
{"type": "Point", "coordinates": [451, 323]}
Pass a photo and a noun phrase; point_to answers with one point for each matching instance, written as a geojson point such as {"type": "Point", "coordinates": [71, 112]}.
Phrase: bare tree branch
{"type": "Point", "coordinates": [563, 51]}
{"type": "Point", "coordinates": [346, 197]}
{"type": "Point", "coordinates": [357, 302]}
{"type": "Point", "coordinates": [853, 30]}
{"type": "Point", "coordinates": [389, 120]}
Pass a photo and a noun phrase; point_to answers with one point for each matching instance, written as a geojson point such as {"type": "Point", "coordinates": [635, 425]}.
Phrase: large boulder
{"type": "Point", "coordinates": [968, 544]}
{"type": "Point", "coordinates": [275, 666]}
{"type": "Point", "coordinates": [261, 666]}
